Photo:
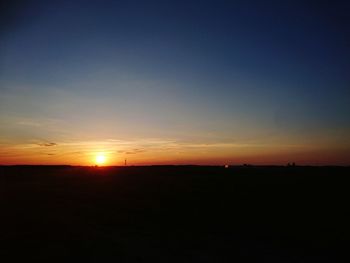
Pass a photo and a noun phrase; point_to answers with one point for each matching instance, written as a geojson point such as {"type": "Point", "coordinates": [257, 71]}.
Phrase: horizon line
{"type": "Point", "coordinates": [180, 165]}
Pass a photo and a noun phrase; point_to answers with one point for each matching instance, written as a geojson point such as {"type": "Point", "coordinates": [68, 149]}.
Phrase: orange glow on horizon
{"type": "Point", "coordinates": [163, 152]}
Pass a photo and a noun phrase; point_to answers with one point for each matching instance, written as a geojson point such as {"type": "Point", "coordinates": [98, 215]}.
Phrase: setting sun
{"type": "Point", "coordinates": [100, 159]}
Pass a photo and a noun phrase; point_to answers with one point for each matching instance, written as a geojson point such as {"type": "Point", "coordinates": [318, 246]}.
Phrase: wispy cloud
{"type": "Point", "coordinates": [132, 151]}
{"type": "Point", "coordinates": [47, 144]}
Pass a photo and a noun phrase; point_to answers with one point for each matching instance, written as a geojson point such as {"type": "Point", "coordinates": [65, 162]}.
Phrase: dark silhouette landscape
{"type": "Point", "coordinates": [175, 214]}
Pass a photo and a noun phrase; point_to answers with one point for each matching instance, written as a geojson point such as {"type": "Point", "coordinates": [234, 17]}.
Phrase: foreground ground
{"type": "Point", "coordinates": [175, 214]}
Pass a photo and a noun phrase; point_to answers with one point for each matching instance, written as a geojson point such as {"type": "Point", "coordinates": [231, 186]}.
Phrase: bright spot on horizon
{"type": "Point", "coordinates": [100, 159]}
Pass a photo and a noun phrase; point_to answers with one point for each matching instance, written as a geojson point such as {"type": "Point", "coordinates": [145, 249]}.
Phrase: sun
{"type": "Point", "coordinates": [100, 159]}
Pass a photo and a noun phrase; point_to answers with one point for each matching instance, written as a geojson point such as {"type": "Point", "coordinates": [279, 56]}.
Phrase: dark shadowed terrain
{"type": "Point", "coordinates": [175, 214]}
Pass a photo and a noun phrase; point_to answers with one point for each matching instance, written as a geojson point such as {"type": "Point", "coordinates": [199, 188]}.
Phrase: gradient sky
{"type": "Point", "coordinates": [175, 82]}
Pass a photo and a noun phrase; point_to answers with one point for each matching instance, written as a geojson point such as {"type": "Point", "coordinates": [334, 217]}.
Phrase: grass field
{"type": "Point", "coordinates": [175, 214]}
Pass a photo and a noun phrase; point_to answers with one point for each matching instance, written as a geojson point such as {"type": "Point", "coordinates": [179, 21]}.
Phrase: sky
{"type": "Point", "coordinates": [175, 82]}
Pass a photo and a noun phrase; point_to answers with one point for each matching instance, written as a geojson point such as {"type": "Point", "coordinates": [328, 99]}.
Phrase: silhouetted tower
{"type": "Point", "coordinates": [125, 162]}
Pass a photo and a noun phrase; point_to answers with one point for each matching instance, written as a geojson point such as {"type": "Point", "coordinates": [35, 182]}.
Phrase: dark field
{"type": "Point", "coordinates": [175, 214]}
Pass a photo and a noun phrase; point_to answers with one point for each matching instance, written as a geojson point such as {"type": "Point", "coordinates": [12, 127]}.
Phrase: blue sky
{"type": "Point", "coordinates": [269, 74]}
